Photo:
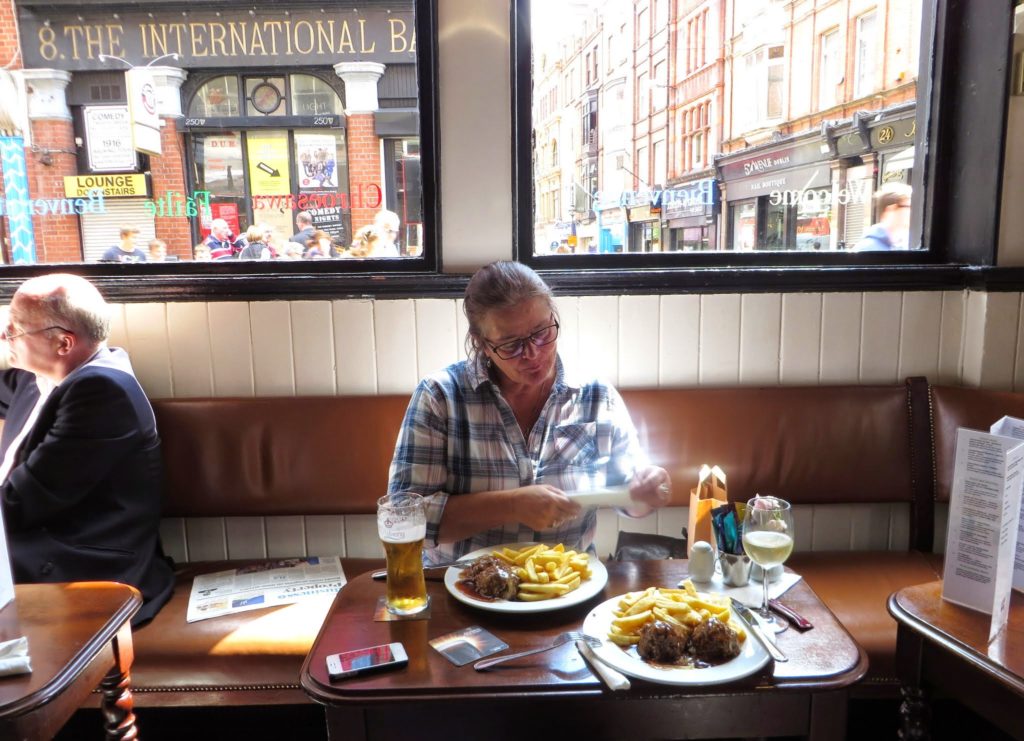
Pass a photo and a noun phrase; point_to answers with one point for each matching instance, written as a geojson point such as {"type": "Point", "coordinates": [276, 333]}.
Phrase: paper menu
{"type": "Point", "coordinates": [983, 518]}
{"type": "Point", "coordinates": [1013, 427]}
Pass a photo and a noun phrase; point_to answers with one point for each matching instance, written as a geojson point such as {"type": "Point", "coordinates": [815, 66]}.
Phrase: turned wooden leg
{"type": "Point", "coordinates": [914, 715]}
{"type": "Point", "coordinates": [118, 706]}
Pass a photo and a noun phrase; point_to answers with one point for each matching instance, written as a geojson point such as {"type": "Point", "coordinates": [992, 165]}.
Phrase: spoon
{"type": "Point", "coordinates": [572, 635]}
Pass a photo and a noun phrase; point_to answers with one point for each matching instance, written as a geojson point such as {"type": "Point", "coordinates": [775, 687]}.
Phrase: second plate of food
{"type": "Point", "coordinates": [752, 656]}
{"type": "Point", "coordinates": [454, 581]}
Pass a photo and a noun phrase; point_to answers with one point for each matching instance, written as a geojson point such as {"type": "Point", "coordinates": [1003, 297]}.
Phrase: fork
{"type": "Point", "coordinates": [561, 639]}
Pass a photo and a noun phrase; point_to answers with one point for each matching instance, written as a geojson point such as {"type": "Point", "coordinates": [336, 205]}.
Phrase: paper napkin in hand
{"type": "Point", "coordinates": [14, 658]}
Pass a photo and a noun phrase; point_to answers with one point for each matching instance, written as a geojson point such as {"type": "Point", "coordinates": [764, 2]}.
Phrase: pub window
{"type": "Point", "coordinates": [769, 152]}
{"type": "Point", "coordinates": [250, 127]}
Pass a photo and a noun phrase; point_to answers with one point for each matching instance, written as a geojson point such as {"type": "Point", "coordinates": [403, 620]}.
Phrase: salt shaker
{"type": "Point", "coordinates": [702, 561]}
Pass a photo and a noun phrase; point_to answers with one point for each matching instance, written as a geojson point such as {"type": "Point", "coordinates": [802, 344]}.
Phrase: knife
{"type": "Point", "coordinates": [613, 678]}
{"type": "Point", "coordinates": [755, 628]}
{"type": "Point", "coordinates": [383, 574]}
{"type": "Point", "coordinates": [797, 620]}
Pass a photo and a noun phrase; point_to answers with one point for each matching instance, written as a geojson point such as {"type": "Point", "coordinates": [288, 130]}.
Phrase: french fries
{"type": "Point", "coordinates": [546, 572]}
{"type": "Point", "coordinates": [685, 607]}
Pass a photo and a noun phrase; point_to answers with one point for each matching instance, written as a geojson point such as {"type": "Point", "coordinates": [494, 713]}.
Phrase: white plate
{"type": "Point", "coordinates": [587, 589]}
{"type": "Point", "coordinates": [752, 658]}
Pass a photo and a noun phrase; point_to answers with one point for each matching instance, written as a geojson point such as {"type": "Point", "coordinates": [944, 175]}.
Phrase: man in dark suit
{"type": "Point", "coordinates": [80, 466]}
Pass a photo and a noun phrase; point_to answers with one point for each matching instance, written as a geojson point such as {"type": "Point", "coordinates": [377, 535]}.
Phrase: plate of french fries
{"type": "Point", "coordinates": [551, 577]}
{"type": "Point", "coordinates": [619, 620]}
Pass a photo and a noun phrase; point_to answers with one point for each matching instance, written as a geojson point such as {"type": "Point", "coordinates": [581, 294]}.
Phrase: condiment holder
{"type": "Point", "coordinates": [735, 568]}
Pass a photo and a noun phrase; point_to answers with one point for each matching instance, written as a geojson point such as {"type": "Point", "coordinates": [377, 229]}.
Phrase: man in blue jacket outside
{"type": "Point", "coordinates": [892, 204]}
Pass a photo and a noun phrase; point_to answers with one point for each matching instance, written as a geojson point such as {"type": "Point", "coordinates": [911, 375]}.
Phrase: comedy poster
{"type": "Point", "coordinates": [317, 164]}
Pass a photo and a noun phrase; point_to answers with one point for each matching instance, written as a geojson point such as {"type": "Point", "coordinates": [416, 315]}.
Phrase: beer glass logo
{"type": "Point", "coordinates": [388, 523]}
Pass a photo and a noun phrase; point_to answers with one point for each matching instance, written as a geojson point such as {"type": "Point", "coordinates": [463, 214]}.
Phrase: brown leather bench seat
{"type": "Point", "coordinates": [815, 446]}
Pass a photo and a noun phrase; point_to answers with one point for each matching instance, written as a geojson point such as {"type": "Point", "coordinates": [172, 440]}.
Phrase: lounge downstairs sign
{"type": "Point", "coordinates": [210, 38]}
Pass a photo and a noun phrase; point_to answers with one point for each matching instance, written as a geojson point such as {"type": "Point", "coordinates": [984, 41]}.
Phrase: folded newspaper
{"type": "Point", "coordinates": [265, 584]}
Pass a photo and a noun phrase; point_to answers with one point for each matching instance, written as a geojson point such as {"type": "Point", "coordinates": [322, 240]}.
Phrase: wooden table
{"type": "Point", "coordinates": [942, 649]}
{"type": "Point", "coordinates": [79, 638]}
{"type": "Point", "coordinates": [555, 692]}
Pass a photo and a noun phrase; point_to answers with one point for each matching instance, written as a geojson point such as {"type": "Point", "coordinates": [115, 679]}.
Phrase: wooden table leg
{"type": "Point", "coordinates": [118, 705]}
{"type": "Point", "coordinates": [915, 723]}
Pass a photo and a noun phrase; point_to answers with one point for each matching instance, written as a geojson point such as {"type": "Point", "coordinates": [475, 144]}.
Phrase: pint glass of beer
{"type": "Point", "coordinates": [402, 525]}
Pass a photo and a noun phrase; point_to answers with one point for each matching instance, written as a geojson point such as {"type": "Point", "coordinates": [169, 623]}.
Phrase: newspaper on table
{"type": "Point", "coordinates": [266, 584]}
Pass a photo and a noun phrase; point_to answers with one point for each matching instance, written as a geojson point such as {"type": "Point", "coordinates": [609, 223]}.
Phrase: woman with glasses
{"type": "Point", "coordinates": [495, 442]}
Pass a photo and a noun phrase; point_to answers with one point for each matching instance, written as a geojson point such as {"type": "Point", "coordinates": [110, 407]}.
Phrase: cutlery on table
{"type": "Point", "coordinates": [612, 678]}
{"type": "Point", "coordinates": [561, 639]}
{"type": "Point", "coordinates": [797, 620]}
{"type": "Point", "coordinates": [750, 619]}
{"type": "Point", "coordinates": [383, 573]}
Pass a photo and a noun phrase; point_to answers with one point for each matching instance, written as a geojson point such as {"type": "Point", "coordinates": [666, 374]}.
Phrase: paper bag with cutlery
{"type": "Point", "coordinates": [710, 493]}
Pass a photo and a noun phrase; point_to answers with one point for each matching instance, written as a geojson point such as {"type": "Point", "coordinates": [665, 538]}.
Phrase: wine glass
{"type": "Point", "coordinates": [768, 540]}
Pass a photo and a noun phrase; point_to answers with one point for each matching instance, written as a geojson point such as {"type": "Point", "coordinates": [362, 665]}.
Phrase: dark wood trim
{"type": "Point", "coordinates": [922, 465]}
{"type": "Point", "coordinates": [430, 143]}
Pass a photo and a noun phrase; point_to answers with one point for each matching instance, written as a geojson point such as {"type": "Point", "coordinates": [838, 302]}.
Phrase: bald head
{"type": "Point", "coordinates": [68, 301]}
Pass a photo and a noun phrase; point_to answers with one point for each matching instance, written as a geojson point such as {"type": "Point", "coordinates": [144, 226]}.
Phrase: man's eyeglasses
{"type": "Point", "coordinates": [514, 348]}
{"type": "Point", "coordinates": [8, 333]}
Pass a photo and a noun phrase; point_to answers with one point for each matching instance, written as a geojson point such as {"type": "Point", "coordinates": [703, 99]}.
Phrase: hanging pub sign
{"type": "Point", "coordinates": [108, 134]}
{"type": "Point", "coordinates": [145, 120]}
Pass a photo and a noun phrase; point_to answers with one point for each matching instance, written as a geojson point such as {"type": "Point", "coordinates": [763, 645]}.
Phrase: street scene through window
{"type": "Point", "coordinates": [723, 125]}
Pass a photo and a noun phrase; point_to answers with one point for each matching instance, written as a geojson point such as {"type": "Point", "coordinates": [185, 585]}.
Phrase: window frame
{"type": "Point", "coordinates": [955, 219]}
{"type": "Point", "coordinates": [285, 280]}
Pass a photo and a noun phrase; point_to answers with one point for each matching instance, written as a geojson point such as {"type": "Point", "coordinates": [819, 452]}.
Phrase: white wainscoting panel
{"type": "Point", "coordinates": [880, 337]}
{"type": "Point", "coordinates": [273, 361]}
{"type": "Point", "coordinates": [461, 327]}
{"type": "Point", "coordinates": [394, 326]}
{"type": "Point", "coordinates": [146, 342]}
{"type": "Point", "coordinates": [951, 338]}
{"type": "Point", "coordinates": [599, 338]}
{"type": "Point", "coordinates": [801, 339]}
{"type": "Point", "coordinates": [720, 339]}
{"type": "Point", "coordinates": [118, 330]}
{"type": "Point", "coordinates": [569, 334]}
{"type": "Point", "coordinates": [974, 338]}
{"type": "Point", "coordinates": [920, 333]}
{"type": "Point", "coordinates": [840, 338]}
{"type": "Point", "coordinates": [760, 339]}
{"type": "Point", "coordinates": [325, 535]}
{"type": "Point", "coordinates": [188, 333]}
{"type": "Point", "coordinates": [437, 344]}
{"type": "Point", "coordinates": [1001, 328]}
{"type": "Point", "coordinates": [638, 341]}
{"type": "Point", "coordinates": [361, 539]}
{"type": "Point", "coordinates": [679, 341]}
{"type": "Point", "coordinates": [231, 348]}
{"type": "Point", "coordinates": [206, 538]}
{"type": "Point", "coordinates": [247, 537]}
{"type": "Point", "coordinates": [313, 348]}
{"type": "Point", "coordinates": [286, 536]}
{"type": "Point", "coordinates": [355, 347]}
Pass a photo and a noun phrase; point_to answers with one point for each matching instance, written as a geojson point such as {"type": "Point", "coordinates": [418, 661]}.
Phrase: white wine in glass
{"type": "Point", "coordinates": [768, 540]}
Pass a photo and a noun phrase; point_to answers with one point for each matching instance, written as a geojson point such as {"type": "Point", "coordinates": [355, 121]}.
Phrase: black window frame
{"type": "Point", "coordinates": [962, 100]}
{"type": "Point", "coordinates": [292, 280]}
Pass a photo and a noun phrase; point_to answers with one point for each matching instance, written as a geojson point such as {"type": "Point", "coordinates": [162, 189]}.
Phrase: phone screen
{"type": "Point", "coordinates": [366, 658]}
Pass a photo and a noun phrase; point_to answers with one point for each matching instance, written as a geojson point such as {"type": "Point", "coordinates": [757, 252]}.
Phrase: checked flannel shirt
{"type": "Point", "coordinates": [460, 436]}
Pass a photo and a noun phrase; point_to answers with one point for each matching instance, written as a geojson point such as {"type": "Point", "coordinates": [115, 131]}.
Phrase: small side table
{"type": "Point", "coordinates": [79, 638]}
{"type": "Point", "coordinates": [942, 649]}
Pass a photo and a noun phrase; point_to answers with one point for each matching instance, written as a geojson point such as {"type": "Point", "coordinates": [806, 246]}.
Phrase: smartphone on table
{"type": "Point", "coordinates": [365, 660]}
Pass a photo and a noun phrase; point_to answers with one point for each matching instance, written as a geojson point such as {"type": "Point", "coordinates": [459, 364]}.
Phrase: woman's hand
{"type": "Point", "coordinates": [650, 489]}
{"type": "Point", "coordinates": [543, 507]}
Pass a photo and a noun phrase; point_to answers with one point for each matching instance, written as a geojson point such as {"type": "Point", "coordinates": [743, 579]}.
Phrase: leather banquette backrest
{"type": "Point", "coordinates": [330, 455]}
{"type": "Point", "coordinates": [324, 455]}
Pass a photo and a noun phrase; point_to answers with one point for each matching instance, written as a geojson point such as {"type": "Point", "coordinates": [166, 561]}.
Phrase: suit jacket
{"type": "Point", "coordinates": [82, 500]}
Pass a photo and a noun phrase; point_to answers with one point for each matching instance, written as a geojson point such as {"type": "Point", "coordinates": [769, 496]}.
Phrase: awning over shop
{"type": "Point", "coordinates": [901, 160]}
{"type": "Point", "coordinates": [397, 122]}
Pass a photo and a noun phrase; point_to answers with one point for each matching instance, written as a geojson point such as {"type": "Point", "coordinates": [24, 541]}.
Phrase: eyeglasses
{"type": "Point", "coordinates": [514, 348]}
{"type": "Point", "coordinates": [8, 335]}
